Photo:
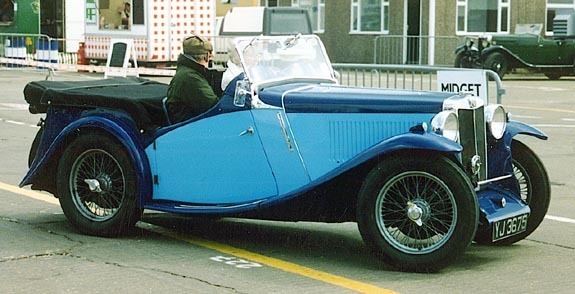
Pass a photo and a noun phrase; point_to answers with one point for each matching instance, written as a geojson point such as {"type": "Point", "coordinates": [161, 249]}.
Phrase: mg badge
{"type": "Point", "coordinates": [475, 164]}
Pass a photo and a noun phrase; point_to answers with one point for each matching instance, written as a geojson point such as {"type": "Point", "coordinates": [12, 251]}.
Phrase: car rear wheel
{"type": "Point", "coordinates": [417, 213]}
{"type": "Point", "coordinates": [497, 63]}
{"type": "Point", "coordinates": [553, 75]}
{"type": "Point", "coordinates": [97, 186]}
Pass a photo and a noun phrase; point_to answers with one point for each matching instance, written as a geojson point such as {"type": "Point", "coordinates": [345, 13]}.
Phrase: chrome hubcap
{"type": "Point", "coordinates": [414, 213]}
{"type": "Point", "coordinates": [93, 185]}
{"type": "Point", "coordinates": [97, 185]}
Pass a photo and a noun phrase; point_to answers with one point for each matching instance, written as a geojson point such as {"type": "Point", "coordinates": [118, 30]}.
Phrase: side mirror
{"type": "Point", "coordinates": [242, 93]}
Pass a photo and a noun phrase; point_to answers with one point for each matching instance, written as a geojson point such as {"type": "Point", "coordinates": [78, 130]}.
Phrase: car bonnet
{"type": "Point", "coordinates": [326, 98]}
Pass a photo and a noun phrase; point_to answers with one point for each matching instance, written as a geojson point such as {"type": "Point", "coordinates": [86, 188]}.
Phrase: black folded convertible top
{"type": "Point", "coordinates": [140, 98]}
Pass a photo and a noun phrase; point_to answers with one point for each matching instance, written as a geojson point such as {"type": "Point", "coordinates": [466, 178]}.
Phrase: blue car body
{"type": "Point", "coordinates": [296, 150]}
{"type": "Point", "coordinates": [181, 167]}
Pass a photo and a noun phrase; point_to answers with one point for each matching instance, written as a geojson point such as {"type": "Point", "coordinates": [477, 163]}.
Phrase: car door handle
{"type": "Point", "coordinates": [250, 131]}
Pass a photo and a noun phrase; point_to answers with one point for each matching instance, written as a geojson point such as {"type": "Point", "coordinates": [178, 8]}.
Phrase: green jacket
{"type": "Point", "coordinates": [189, 92]}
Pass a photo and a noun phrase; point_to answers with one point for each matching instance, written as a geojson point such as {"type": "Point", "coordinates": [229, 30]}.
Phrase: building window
{"type": "Point", "coordinates": [275, 3]}
{"type": "Point", "coordinates": [6, 12]}
{"type": "Point", "coordinates": [316, 10]}
{"type": "Point", "coordinates": [555, 7]}
{"type": "Point", "coordinates": [116, 14]}
{"type": "Point", "coordinates": [369, 16]}
{"type": "Point", "coordinates": [483, 16]}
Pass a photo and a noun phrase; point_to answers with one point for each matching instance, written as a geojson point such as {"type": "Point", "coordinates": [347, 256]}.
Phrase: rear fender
{"type": "Point", "coordinates": [115, 128]}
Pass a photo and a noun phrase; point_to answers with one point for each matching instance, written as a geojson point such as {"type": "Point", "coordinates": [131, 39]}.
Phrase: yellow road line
{"type": "Point", "coordinates": [271, 262]}
{"type": "Point", "coordinates": [223, 248]}
{"type": "Point", "coordinates": [29, 193]}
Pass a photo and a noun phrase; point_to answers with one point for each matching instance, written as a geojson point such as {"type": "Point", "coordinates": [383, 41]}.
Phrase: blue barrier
{"type": "Point", "coordinates": [15, 48]}
{"type": "Point", "coordinates": [47, 51]}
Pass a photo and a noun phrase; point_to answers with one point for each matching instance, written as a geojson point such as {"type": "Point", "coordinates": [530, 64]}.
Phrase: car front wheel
{"type": "Point", "coordinates": [497, 63]}
{"type": "Point", "coordinates": [417, 213]}
{"type": "Point", "coordinates": [464, 60]}
{"type": "Point", "coordinates": [97, 186]}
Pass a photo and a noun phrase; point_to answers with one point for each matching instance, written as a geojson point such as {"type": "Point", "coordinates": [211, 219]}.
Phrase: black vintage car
{"type": "Point", "coordinates": [525, 49]}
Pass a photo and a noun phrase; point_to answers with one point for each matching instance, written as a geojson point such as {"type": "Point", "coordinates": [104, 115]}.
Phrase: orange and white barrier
{"type": "Point", "coordinates": [89, 68]}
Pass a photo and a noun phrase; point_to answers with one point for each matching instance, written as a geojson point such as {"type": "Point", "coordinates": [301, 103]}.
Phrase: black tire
{"type": "Point", "coordinates": [534, 186]}
{"type": "Point", "coordinates": [497, 63]}
{"type": "Point", "coordinates": [390, 200]}
{"type": "Point", "coordinates": [34, 147]}
{"type": "Point", "coordinates": [107, 207]}
{"type": "Point", "coordinates": [553, 75]}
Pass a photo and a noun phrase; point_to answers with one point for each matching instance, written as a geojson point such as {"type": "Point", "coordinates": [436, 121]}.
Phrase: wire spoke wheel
{"type": "Point", "coordinates": [97, 185]}
{"type": "Point", "coordinates": [522, 180]}
{"type": "Point", "coordinates": [417, 212]}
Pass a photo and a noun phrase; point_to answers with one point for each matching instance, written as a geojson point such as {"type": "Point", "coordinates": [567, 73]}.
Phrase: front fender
{"type": "Point", "coordinates": [116, 128]}
{"type": "Point", "coordinates": [415, 140]}
{"type": "Point", "coordinates": [514, 58]}
{"type": "Point", "coordinates": [407, 141]}
{"type": "Point", "coordinates": [460, 48]}
{"type": "Point", "coordinates": [492, 49]}
{"type": "Point", "coordinates": [515, 128]}
{"type": "Point", "coordinates": [419, 141]}
{"type": "Point", "coordinates": [500, 162]}
{"type": "Point", "coordinates": [467, 50]}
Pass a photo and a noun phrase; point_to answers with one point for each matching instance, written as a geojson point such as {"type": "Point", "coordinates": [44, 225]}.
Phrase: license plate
{"type": "Point", "coordinates": [509, 226]}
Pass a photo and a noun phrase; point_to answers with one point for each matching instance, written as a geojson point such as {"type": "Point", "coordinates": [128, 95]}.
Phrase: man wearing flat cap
{"type": "Point", "coordinates": [190, 93]}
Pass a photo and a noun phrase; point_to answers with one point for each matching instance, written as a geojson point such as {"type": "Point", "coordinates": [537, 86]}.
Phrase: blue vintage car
{"type": "Point", "coordinates": [422, 173]}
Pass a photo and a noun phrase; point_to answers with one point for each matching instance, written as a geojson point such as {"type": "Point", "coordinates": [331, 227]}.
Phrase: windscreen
{"type": "Point", "coordinates": [266, 59]}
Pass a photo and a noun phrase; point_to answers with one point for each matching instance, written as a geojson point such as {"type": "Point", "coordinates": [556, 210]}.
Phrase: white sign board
{"type": "Point", "coordinates": [119, 55]}
{"type": "Point", "coordinates": [456, 81]}
{"type": "Point", "coordinates": [91, 11]}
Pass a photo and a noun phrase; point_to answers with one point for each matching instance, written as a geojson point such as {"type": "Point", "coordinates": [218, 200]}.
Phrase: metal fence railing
{"type": "Point", "coordinates": [420, 50]}
{"type": "Point", "coordinates": [28, 49]}
{"type": "Point", "coordinates": [43, 52]}
{"type": "Point", "coordinates": [408, 77]}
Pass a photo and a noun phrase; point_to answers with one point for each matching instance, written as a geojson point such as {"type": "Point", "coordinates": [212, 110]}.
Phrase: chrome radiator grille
{"type": "Point", "coordinates": [472, 136]}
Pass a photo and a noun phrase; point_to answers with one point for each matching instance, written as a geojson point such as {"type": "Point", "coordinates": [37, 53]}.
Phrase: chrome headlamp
{"type": "Point", "coordinates": [446, 124]}
{"type": "Point", "coordinates": [496, 119]}
{"type": "Point", "coordinates": [485, 40]}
